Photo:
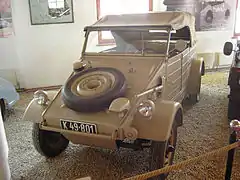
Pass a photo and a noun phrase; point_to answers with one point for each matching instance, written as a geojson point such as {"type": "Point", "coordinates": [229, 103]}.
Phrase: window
{"type": "Point", "coordinates": [237, 21]}
{"type": "Point", "coordinates": [134, 42]}
{"type": "Point", "coordinates": [106, 7]}
{"type": "Point", "coordinates": [58, 8]}
{"type": "Point", "coordinates": [56, 4]}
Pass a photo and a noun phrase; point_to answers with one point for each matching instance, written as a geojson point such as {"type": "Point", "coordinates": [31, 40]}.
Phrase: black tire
{"type": "Point", "coordinates": [3, 109]}
{"type": "Point", "coordinates": [158, 154]}
{"type": "Point", "coordinates": [233, 110]}
{"type": "Point", "coordinates": [203, 69]}
{"type": "Point", "coordinates": [48, 143]}
{"type": "Point", "coordinates": [99, 101]}
{"type": "Point", "coordinates": [195, 98]}
{"type": "Point", "coordinates": [209, 17]}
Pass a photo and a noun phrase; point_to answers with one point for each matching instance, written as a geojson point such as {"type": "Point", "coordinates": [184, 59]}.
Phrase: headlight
{"type": "Point", "coordinates": [146, 108]}
{"type": "Point", "coordinates": [41, 97]}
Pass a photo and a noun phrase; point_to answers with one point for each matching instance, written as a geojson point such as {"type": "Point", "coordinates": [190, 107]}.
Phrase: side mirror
{"type": "Point", "coordinates": [180, 45]}
{"type": "Point", "coordinates": [119, 105]}
{"type": "Point", "coordinates": [228, 48]}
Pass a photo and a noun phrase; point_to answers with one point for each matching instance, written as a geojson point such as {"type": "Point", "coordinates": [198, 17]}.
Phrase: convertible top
{"type": "Point", "coordinates": [173, 19]}
{"type": "Point", "coordinates": [177, 20]}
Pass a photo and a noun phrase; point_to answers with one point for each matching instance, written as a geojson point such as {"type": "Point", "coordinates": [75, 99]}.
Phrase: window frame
{"type": "Point", "coordinates": [102, 41]}
{"type": "Point", "coordinates": [56, 3]}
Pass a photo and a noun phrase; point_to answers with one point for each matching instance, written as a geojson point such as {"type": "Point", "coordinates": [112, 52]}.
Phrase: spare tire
{"type": "Point", "coordinates": [94, 89]}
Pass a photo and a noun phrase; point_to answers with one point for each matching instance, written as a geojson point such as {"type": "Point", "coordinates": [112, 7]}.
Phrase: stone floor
{"type": "Point", "coordinates": [205, 128]}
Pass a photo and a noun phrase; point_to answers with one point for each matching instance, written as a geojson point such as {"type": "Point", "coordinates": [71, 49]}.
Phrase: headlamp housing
{"type": "Point", "coordinates": [146, 108]}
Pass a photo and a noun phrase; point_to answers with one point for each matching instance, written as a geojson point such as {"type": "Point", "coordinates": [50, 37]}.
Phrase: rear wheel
{"type": "Point", "coordinates": [195, 98]}
{"type": "Point", "coordinates": [3, 109]}
{"type": "Point", "coordinates": [48, 143]}
{"type": "Point", "coordinates": [162, 153]}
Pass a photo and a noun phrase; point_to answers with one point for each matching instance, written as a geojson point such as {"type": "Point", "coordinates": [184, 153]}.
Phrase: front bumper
{"type": "Point", "coordinates": [96, 140]}
{"type": "Point", "coordinates": [107, 124]}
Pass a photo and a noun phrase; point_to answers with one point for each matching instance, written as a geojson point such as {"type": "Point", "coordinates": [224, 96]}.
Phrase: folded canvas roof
{"type": "Point", "coordinates": [176, 20]}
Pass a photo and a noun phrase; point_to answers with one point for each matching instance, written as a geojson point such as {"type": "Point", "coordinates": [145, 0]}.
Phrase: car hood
{"type": "Point", "coordinates": [136, 69]}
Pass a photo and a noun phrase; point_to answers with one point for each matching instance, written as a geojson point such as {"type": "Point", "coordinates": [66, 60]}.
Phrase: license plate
{"type": "Point", "coordinates": [78, 126]}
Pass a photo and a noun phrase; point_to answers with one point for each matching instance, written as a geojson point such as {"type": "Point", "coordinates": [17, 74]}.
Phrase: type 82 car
{"type": "Point", "coordinates": [127, 93]}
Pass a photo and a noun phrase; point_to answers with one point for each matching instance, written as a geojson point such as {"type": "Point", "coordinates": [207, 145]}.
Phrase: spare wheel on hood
{"type": "Point", "coordinates": [94, 89]}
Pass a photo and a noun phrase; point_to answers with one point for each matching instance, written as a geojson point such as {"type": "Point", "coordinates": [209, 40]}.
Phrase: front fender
{"type": "Point", "coordinates": [34, 111]}
{"type": "Point", "coordinates": [158, 128]}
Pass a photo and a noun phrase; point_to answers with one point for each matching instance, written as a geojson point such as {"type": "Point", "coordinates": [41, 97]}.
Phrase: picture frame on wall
{"type": "Point", "coordinates": [6, 20]}
{"type": "Point", "coordinates": [44, 12]}
{"type": "Point", "coordinates": [210, 15]}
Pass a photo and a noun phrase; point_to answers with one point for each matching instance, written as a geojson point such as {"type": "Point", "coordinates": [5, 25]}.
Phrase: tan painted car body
{"type": "Point", "coordinates": [179, 76]}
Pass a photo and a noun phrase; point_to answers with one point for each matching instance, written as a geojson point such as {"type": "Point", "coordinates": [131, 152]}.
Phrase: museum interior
{"type": "Point", "coordinates": [119, 89]}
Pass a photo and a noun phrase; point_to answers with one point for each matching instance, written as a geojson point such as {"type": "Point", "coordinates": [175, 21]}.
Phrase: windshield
{"type": "Point", "coordinates": [127, 42]}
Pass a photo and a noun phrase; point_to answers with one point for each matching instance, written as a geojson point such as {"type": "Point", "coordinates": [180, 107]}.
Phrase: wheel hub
{"type": "Point", "coordinates": [93, 84]}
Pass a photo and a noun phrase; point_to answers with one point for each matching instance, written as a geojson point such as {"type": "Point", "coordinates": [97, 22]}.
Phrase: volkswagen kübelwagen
{"type": "Point", "coordinates": [126, 90]}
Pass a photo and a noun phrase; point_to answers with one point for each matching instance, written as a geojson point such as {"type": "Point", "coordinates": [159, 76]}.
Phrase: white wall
{"type": "Point", "coordinates": [46, 52]}
{"type": "Point", "coordinates": [8, 55]}
{"type": "Point", "coordinates": [43, 55]}
{"type": "Point", "coordinates": [211, 42]}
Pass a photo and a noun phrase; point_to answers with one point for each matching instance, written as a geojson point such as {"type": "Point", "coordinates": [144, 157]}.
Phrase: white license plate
{"type": "Point", "coordinates": [78, 126]}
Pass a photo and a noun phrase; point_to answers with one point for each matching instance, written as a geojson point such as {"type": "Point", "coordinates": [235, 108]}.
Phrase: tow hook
{"type": "Point", "coordinates": [136, 145]}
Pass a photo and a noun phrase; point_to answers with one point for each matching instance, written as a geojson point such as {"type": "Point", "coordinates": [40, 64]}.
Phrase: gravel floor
{"type": "Point", "coordinates": [205, 128]}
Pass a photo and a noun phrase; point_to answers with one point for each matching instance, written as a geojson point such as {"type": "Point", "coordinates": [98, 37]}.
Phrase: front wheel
{"type": "Point", "coordinates": [162, 153]}
{"type": "Point", "coordinates": [48, 143]}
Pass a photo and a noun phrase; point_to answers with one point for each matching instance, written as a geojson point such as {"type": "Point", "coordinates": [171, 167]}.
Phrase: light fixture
{"type": "Point", "coordinates": [146, 108]}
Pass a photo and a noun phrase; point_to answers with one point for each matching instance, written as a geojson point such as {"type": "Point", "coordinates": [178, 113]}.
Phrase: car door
{"type": "Point", "coordinates": [174, 77]}
{"type": "Point", "coordinates": [186, 66]}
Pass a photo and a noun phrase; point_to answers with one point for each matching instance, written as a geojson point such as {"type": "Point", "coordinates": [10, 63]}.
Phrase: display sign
{"type": "Point", "coordinates": [51, 11]}
{"type": "Point", "coordinates": [6, 25]}
{"type": "Point", "coordinates": [211, 15]}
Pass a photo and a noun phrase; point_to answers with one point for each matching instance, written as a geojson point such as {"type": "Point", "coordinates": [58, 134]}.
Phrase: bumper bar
{"type": "Point", "coordinates": [96, 140]}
